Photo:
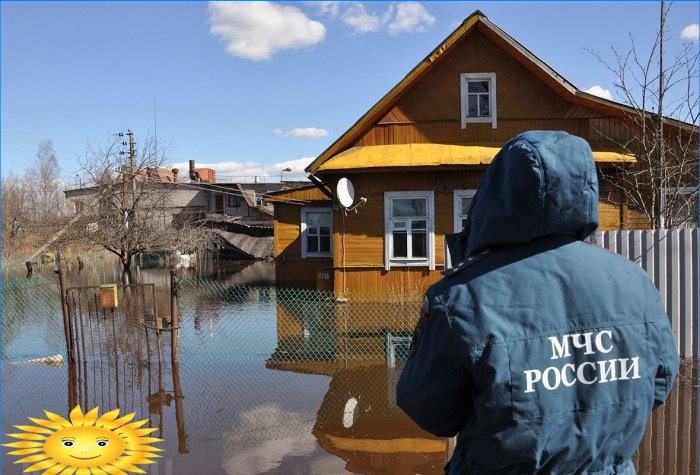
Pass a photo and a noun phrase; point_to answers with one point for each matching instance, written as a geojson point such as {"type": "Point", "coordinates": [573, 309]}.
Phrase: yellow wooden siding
{"type": "Point", "coordinates": [290, 269]}
{"type": "Point", "coordinates": [359, 258]}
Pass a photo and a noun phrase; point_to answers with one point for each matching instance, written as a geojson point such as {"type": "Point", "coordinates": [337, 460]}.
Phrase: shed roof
{"type": "Point", "coordinates": [299, 195]}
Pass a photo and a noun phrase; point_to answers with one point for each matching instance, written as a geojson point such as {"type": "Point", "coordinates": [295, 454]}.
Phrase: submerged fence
{"type": "Point", "coordinates": [670, 257]}
{"type": "Point", "coordinates": [257, 365]}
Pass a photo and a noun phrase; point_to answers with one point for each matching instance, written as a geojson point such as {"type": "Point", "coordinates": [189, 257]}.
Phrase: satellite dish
{"type": "Point", "coordinates": [345, 192]}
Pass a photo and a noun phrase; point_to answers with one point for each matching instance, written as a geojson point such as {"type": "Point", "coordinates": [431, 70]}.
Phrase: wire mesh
{"type": "Point", "coordinates": [31, 319]}
{"type": "Point", "coordinates": [260, 369]}
{"type": "Point", "coordinates": [272, 353]}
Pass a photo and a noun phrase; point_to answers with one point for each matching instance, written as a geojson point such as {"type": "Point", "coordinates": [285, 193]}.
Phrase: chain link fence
{"type": "Point", "coordinates": [261, 369]}
{"type": "Point", "coordinates": [285, 358]}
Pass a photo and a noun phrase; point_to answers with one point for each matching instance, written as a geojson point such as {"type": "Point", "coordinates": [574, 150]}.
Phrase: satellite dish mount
{"type": "Point", "coordinates": [345, 193]}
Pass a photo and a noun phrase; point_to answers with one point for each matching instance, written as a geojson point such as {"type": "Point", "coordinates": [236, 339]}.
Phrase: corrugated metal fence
{"type": "Point", "coordinates": [670, 257]}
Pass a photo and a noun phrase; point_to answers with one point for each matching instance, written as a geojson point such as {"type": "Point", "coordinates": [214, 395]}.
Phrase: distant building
{"type": "Point", "coordinates": [230, 208]}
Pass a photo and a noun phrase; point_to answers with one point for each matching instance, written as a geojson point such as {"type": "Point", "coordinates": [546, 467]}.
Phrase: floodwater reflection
{"type": "Point", "coordinates": [268, 382]}
{"type": "Point", "coordinates": [360, 422]}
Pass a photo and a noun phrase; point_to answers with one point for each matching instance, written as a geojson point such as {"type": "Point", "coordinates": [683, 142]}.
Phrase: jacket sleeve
{"type": "Point", "coordinates": [667, 351]}
{"type": "Point", "coordinates": [433, 388]}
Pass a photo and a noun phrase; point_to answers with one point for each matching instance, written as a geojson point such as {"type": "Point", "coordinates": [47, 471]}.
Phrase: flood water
{"type": "Point", "coordinates": [265, 383]}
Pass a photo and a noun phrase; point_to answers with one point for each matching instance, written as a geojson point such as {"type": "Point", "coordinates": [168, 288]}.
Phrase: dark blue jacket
{"type": "Point", "coordinates": [545, 353]}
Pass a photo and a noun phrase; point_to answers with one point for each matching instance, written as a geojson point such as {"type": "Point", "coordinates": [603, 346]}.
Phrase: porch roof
{"type": "Point", "coordinates": [433, 155]}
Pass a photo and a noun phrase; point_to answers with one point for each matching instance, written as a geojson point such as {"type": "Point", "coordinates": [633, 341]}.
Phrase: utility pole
{"type": "Point", "coordinates": [660, 129]}
{"type": "Point", "coordinates": [132, 158]}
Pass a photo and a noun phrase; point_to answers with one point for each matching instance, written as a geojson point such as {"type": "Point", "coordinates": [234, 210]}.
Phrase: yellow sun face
{"type": "Point", "coordinates": [85, 444]}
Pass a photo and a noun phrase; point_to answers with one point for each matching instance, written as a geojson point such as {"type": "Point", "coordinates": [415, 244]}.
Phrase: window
{"type": "Point", "coordinates": [462, 202]}
{"type": "Point", "coordinates": [259, 201]}
{"type": "Point", "coordinates": [408, 229]}
{"type": "Point", "coordinates": [316, 232]}
{"type": "Point", "coordinates": [478, 98]}
{"type": "Point", "coordinates": [234, 201]}
{"type": "Point", "coordinates": [681, 207]}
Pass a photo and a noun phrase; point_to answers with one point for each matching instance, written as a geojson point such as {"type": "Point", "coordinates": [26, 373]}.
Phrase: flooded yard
{"type": "Point", "coordinates": [268, 381]}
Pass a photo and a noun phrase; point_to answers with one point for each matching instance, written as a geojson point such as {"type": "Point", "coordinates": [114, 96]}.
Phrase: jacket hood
{"type": "Point", "coordinates": [540, 183]}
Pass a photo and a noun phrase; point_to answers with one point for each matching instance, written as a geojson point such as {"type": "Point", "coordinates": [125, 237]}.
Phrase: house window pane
{"type": "Point", "coordinates": [464, 223]}
{"type": "Point", "coordinates": [466, 203]}
{"type": "Point", "coordinates": [409, 207]}
{"type": "Point", "coordinates": [478, 86]}
{"type": "Point", "coordinates": [312, 243]}
{"type": "Point", "coordinates": [483, 105]}
{"type": "Point", "coordinates": [325, 243]}
{"type": "Point", "coordinates": [318, 219]}
{"type": "Point", "coordinates": [419, 246]}
{"type": "Point", "coordinates": [400, 244]}
{"type": "Point", "coordinates": [473, 106]}
{"type": "Point", "coordinates": [418, 225]}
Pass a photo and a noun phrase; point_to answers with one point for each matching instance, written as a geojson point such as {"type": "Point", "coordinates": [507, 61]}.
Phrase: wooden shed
{"type": "Point", "coordinates": [417, 157]}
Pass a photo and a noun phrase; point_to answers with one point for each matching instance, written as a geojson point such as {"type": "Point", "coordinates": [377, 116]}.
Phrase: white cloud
{"type": "Point", "coordinates": [302, 133]}
{"type": "Point", "coordinates": [402, 17]}
{"type": "Point", "coordinates": [690, 33]}
{"type": "Point", "coordinates": [331, 9]}
{"type": "Point", "coordinates": [235, 171]}
{"type": "Point", "coordinates": [411, 17]}
{"type": "Point", "coordinates": [257, 30]}
{"type": "Point", "coordinates": [600, 92]}
{"type": "Point", "coordinates": [263, 423]}
{"type": "Point", "coordinates": [357, 17]}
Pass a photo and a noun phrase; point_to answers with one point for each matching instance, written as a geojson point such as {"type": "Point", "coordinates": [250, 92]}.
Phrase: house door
{"type": "Point", "coordinates": [219, 203]}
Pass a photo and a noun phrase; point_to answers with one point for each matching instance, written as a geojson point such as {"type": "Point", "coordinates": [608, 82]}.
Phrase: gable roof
{"type": "Point", "coordinates": [476, 20]}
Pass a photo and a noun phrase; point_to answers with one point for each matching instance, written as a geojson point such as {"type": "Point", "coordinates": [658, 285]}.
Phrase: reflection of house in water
{"type": "Point", "coordinates": [320, 336]}
{"type": "Point", "coordinates": [360, 422]}
{"type": "Point", "coordinates": [358, 419]}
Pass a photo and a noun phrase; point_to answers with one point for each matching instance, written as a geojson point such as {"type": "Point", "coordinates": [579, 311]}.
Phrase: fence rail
{"type": "Point", "coordinates": [670, 257]}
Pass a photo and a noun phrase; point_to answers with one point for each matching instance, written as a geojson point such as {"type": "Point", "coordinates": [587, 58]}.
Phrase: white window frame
{"type": "Point", "coordinates": [304, 232]}
{"type": "Point", "coordinates": [457, 206]}
{"type": "Point", "coordinates": [428, 261]}
{"type": "Point", "coordinates": [464, 80]}
{"type": "Point", "coordinates": [681, 190]}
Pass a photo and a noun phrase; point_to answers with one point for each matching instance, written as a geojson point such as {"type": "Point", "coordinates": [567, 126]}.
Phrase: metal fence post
{"type": "Point", "coordinates": [174, 321]}
{"type": "Point", "coordinates": [67, 327]}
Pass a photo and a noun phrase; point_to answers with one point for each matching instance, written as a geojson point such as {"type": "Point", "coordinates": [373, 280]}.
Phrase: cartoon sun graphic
{"type": "Point", "coordinates": [86, 444]}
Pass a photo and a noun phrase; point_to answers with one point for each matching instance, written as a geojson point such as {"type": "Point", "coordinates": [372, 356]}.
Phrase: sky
{"type": "Point", "coordinates": [253, 88]}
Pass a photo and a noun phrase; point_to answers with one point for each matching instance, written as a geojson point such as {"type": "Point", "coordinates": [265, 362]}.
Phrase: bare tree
{"type": "Point", "coordinates": [661, 131]}
{"type": "Point", "coordinates": [15, 210]}
{"type": "Point", "coordinates": [127, 208]}
{"type": "Point", "coordinates": [44, 176]}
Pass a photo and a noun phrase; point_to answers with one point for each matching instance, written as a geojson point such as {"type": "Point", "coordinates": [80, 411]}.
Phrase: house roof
{"type": "Point", "coordinates": [249, 197]}
{"type": "Point", "coordinates": [476, 20]}
{"type": "Point", "coordinates": [430, 155]}
{"type": "Point", "coordinates": [299, 195]}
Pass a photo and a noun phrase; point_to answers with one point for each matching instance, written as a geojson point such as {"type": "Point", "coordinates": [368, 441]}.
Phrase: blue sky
{"type": "Point", "coordinates": [254, 89]}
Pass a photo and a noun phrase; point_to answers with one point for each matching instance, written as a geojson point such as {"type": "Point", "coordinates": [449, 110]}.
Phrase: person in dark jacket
{"type": "Point", "coordinates": [544, 353]}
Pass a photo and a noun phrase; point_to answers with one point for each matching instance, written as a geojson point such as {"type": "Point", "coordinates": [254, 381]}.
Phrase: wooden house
{"type": "Point", "coordinates": [417, 157]}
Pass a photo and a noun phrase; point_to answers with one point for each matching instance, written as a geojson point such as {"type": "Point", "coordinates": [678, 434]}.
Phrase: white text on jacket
{"type": "Point", "coordinates": [588, 372]}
